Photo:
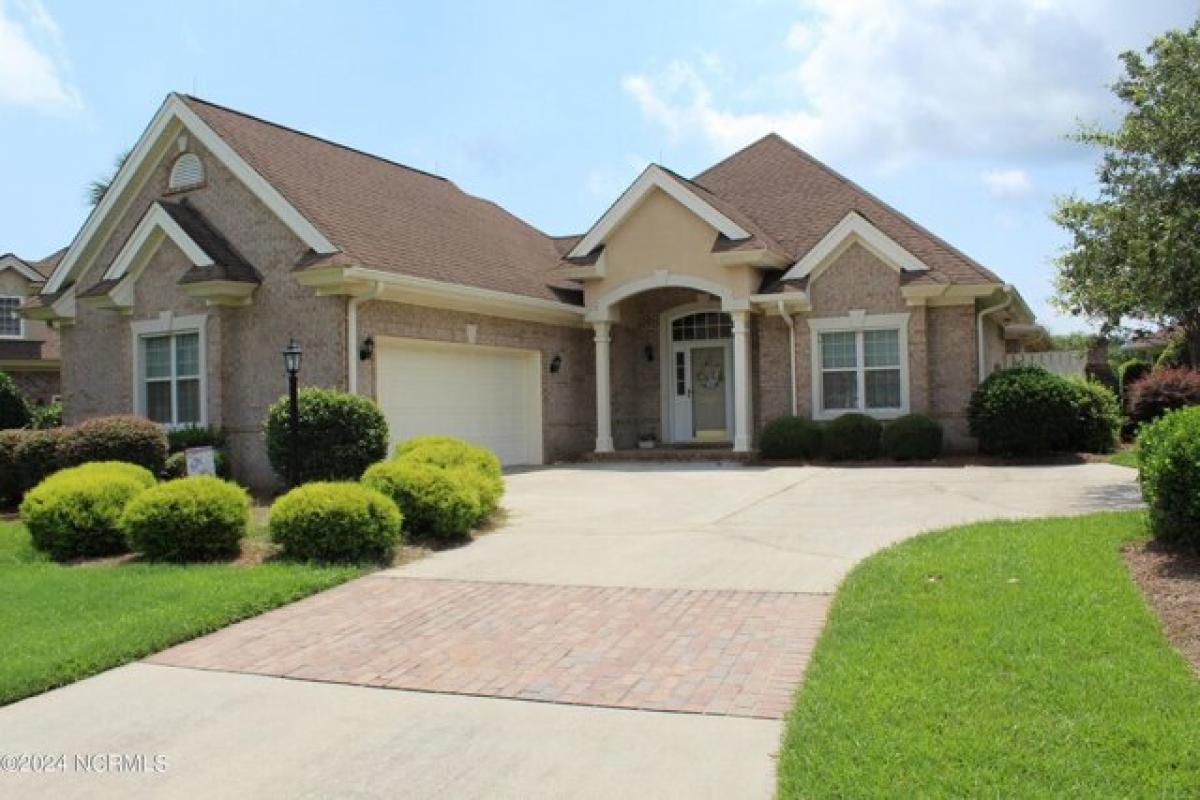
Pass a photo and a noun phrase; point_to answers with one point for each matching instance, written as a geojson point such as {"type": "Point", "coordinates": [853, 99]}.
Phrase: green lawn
{"type": "Point", "coordinates": [1124, 458]}
{"type": "Point", "coordinates": [59, 624]}
{"type": "Point", "coordinates": [1005, 659]}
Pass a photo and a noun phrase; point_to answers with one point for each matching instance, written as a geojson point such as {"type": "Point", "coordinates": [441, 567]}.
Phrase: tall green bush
{"type": "Point", "coordinates": [14, 408]}
{"type": "Point", "coordinates": [436, 502]}
{"type": "Point", "coordinates": [914, 437]}
{"type": "Point", "coordinates": [1026, 411]}
{"type": "Point", "coordinates": [1169, 471]}
{"type": "Point", "coordinates": [340, 436]}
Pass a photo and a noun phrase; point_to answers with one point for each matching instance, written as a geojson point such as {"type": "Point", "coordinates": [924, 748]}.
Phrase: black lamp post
{"type": "Point", "coordinates": [292, 355]}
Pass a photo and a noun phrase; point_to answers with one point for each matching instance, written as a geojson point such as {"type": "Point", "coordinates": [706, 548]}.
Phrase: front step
{"type": "Point", "coordinates": [672, 454]}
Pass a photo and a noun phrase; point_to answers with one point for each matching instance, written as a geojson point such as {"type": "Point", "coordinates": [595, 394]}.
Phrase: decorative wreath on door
{"type": "Point", "coordinates": [711, 376]}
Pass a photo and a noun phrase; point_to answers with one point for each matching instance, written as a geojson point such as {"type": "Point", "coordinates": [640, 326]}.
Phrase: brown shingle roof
{"type": "Point", "coordinates": [387, 216]}
{"type": "Point", "coordinates": [797, 200]}
{"type": "Point", "coordinates": [228, 263]}
{"type": "Point", "coordinates": [46, 265]}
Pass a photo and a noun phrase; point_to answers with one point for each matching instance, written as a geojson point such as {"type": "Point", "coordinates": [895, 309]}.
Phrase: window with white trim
{"type": "Point", "coordinates": [171, 378]}
{"type": "Point", "coordinates": [860, 370]}
{"type": "Point", "coordinates": [11, 324]}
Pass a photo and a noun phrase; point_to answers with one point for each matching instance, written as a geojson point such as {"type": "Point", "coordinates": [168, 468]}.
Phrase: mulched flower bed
{"type": "Point", "coordinates": [1170, 579]}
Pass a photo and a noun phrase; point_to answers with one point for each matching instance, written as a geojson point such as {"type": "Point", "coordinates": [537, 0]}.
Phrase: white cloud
{"type": "Point", "coordinates": [881, 81]}
{"type": "Point", "coordinates": [1008, 184]}
{"type": "Point", "coordinates": [33, 61]}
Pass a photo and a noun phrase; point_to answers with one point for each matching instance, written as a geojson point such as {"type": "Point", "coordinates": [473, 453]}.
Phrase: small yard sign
{"type": "Point", "coordinates": [200, 461]}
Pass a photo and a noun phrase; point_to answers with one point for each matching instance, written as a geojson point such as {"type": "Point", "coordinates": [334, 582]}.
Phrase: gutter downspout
{"type": "Point", "coordinates": [791, 323]}
{"type": "Point", "coordinates": [1010, 295]}
{"type": "Point", "coordinates": [352, 334]}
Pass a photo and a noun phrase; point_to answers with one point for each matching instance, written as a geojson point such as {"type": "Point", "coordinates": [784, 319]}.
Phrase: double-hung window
{"type": "Point", "coordinates": [860, 367]}
{"type": "Point", "coordinates": [170, 381]}
{"type": "Point", "coordinates": [11, 326]}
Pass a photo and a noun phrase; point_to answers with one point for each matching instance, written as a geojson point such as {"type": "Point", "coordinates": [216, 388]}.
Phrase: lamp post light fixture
{"type": "Point", "coordinates": [292, 356]}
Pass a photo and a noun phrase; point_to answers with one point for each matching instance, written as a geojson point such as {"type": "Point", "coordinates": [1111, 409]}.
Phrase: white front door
{"type": "Point", "coordinates": [700, 391]}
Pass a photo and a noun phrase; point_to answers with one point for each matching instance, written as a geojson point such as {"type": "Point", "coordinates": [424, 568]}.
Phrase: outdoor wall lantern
{"type": "Point", "coordinates": [649, 351]}
{"type": "Point", "coordinates": [367, 350]}
{"type": "Point", "coordinates": [292, 355]}
{"type": "Point", "coordinates": [555, 364]}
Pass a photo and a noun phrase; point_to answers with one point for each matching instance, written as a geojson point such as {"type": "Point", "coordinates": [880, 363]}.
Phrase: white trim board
{"type": "Point", "coordinates": [172, 117]}
{"type": "Point", "coordinates": [156, 219]}
{"type": "Point", "coordinates": [14, 263]}
{"type": "Point", "coordinates": [654, 177]}
{"type": "Point", "coordinates": [854, 228]}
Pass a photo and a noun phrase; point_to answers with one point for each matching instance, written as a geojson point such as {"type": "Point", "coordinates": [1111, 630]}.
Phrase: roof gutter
{"type": "Point", "coordinates": [791, 323]}
{"type": "Point", "coordinates": [352, 334]}
{"type": "Point", "coordinates": [1009, 296]}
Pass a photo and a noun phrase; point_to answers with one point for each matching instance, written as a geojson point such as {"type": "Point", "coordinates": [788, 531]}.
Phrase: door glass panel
{"type": "Point", "coordinates": [680, 374]}
{"type": "Point", "coordinates": [708, 389]}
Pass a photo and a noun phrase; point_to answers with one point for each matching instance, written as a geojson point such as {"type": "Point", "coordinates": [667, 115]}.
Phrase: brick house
{"type": "Point", "coordinates": [28, 348]}
{"type": "Point", "coordinates": [692, 310]}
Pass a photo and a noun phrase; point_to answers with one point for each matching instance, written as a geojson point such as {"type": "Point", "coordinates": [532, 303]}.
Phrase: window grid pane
{"type": "Point", "coordinates": [10, 322]}
{"type": "Point", "coordinates": [188, 397]}
{"type": "Point", "coordinates": [702, 326]}
{"type": "Point", "coordinates": [187, 355]}
{"type": "Point", "coordinates": [158, 401]}
{"type": "Point", "coordinates": [839, 390]}
{"type": "Point", "coordinates": [839, 350]}
{"type": "Point", "coordinates": [157, 356]}
{"type": "Point", "coordinates": [883, 388]}
{"type": "Point", "coordinates": [881, 348]}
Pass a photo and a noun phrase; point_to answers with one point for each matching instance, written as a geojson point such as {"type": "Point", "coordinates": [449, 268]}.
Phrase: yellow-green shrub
{"type": "Point", "coordinates": [480, 466]}
{"type": "Point", "coordinates": [75, 513]}
{"type": "Point", "coordinates": [343, 522]}
{"type": "Point", "coordinates": [190, 519]}
{"type": "Point", "coordinates": [436, 502]}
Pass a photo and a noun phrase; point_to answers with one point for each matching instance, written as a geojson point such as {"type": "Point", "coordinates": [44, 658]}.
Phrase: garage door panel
{"type": "Point", "coordinates": [488, 396]}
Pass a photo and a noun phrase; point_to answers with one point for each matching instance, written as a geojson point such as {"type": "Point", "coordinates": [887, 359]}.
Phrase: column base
{"type": "Point", "coordinates": [741, 444]}
{"type": "Point", "coordinates": [604, 444]}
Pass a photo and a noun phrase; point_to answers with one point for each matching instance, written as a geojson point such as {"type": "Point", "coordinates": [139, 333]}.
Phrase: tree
{"type": "Point", "coordinates": [99, 187]}
{"type": "Point", "coordinates": [1135, 250]}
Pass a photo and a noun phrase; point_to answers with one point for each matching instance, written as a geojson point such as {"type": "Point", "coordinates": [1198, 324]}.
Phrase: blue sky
{"type": "Point", "coordinates": [953, 112]}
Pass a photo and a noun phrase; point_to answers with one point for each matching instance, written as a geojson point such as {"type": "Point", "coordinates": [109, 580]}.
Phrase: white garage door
{"type": "Point", "coordinates": [490, 396]}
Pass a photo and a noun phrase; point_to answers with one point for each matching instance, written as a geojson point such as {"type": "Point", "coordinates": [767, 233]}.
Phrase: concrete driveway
{"type": "Point", "coordinates": [616, 596]}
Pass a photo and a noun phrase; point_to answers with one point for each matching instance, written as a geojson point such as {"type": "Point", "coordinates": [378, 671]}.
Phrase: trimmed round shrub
{"type": "Point", "coordinates": [852, 437]}
{"type": "Point", "coordinates": [119, 438]}
{"type": "Point", "coordinates": [176, 465]}
{"type": "Point", "coordinates": [76, 512]}
{"type": "Point", "coordinates": [37, 455]}
{"type": "Point", "coordinates": [914, 437]}
{"type": "Point", "coordinates": [790, 438]}
{"type": "Point", "coordinates": [1169, 471]}
{"type": "Point", "coordinates": [340, 436]}
{"type": "Point", "coordinates": [335, 522]}
{"type": "Point", "coordinates": [436, 502]}
{"type": "Point", "coordinates": [1097, 421]}
{"type": "Point", "coordinates": [481, 465]}
{"type": "Point", "coordinates": [14, 408]}
{"type": "Point", "coordinates": [1022, 411]}
{"type": "Point", "coordinates": [1160, 391]}
{"type": "Point", "coordinates": [417, 442]}
{"type": "Point", "coordinates": [191, 519]}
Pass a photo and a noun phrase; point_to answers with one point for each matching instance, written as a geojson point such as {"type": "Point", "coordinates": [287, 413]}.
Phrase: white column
{"type": "Point", "coordinates": [741, 381]}
{"type": "Point", "coordinates": [603, 339]}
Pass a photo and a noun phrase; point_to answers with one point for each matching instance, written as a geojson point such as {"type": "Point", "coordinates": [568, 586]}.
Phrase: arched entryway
{"type": "Point", "coordinates": [696, 341]}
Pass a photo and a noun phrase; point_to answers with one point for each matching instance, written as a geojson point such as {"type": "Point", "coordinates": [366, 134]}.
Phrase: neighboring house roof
{"type": "Point", "coordinates": [386, 216]}
{"type": "Point", "coordinates": [46, 265]}
{"type": "Point", "coordinates": [797, 200]}
{"type": "Point", "coordinates": [27, 269]}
